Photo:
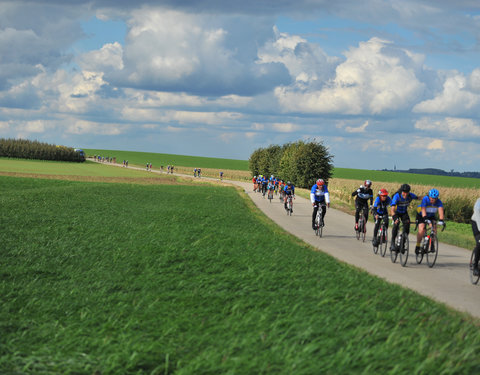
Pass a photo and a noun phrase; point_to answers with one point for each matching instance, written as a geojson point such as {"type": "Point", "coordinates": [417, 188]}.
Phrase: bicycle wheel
{"type": "Point", "coordinates": [419, 256]}
{"type": "Point", "coordinates": [433, 253]}
{"type": "Point", "coordinates": [404, 254]}
{"type": "Point", "coordinates": [378, 241]}
{"type": "Point", "coordinates": [393, 252]}
{"type": "Point", "coordinates": [364, 230]}
{"type": "Point", "coordinates": [384, 243]}
{"type": "Point", "coordinates": [473, 279]}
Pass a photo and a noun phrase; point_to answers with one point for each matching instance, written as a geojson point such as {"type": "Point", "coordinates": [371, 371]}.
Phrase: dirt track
{"type": "Point", "coordinates": [447, 282]}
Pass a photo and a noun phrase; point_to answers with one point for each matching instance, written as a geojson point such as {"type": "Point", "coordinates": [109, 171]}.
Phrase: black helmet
{"type": "Point", "coordinates": [405, 188]}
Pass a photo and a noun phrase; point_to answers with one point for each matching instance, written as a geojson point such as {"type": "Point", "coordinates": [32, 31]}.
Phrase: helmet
{"type": "Point", "coordinates": [320, 182]}
{"type": "Point", "coordinates": [434, 193]}
{"type": "Point", "coordinates": [405, 188]}
{"type": "Point", "coordinates": [383, 192]}
{"type": "Point", "coordinates": [289, 183]}
{"type": "Point", "coordinates": [368, 183]}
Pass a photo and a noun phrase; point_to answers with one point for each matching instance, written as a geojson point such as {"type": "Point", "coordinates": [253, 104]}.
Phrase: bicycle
{"type": "Point", "coordinates": [473, 279]}
{"type": "Point", "coordinates": [289, 208]}
{"type": "Point", "coordinates": [270, 195]}
{"type": "Point", "coordinates": [382, 237]}
{"type": "Point", "coordinates": [429, 245]}
{"type": "Point", "coordinates": [319, 224]}
{"type": "Point", "coordinates": [282, 195]}
{"type": "Point", "coordinates": [362, 225]}
{"type": "Point", "coordinates": [401, 242]}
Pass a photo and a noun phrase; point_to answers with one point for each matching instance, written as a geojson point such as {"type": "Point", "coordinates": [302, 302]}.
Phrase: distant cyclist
{"type": "Point", "coordinates": [400, 202]}
{"type": "Point", "coordinates": [476, 234]}
{"type": "Point", "coordinates": [364, 194]}
{"type": "Point", "coordinates": [289, 191]}
{"type": "Point", "coordinates": [380, 212]}
{"type": "Point", "coordinates": [319, 196]}
{"type": "Point", "coordinates": [426, 211]}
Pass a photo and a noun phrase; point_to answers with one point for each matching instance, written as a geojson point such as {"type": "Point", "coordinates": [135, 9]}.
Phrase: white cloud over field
{"type": "Point", "coordinates": [223, 78]}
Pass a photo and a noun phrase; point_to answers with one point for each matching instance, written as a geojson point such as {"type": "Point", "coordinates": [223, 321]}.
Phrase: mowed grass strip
{"type": "Point", "coordinates": [88, 168]}
{"type": "Point", "coordinates": [129, 279]}
{"type": "Point", "coordinates": [158, 159]}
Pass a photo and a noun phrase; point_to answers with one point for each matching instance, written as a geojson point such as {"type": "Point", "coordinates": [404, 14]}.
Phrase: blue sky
{"type": "Point", "coordinates": [380, 82]}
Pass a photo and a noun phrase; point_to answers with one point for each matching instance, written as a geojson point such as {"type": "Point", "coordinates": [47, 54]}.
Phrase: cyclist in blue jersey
{"type": "Point", "coordinates": [289, 190]}
{"type": "Point", "coordinates": [364, 194]}
{"type": "Point", "coordinates": [380, 212]}
{"type": "Point", "coordinates": [426, 211]}
{"type": "Point", "coordinates": [476, 234]}
{"type": "Point", "coordinates": [399, 209]}
{"type": "Point", "coordinates": [319, 196]}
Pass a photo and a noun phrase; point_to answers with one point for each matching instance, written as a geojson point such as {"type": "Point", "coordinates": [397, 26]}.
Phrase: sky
{"type": "Point", "coordinates": [382, 83]}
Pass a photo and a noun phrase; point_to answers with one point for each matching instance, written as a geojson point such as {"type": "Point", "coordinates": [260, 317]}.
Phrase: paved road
{"type": "Point", "coordinates": [448, 281]}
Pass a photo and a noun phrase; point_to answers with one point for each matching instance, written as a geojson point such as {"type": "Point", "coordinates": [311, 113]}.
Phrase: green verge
{"type": "Point", "coordinates": [410, 178]}
{"type": "Point", "coordinates": [131, 279]}
{"type": "Point", "coordinates": [141, 158]}
{"type": "Point", "coordinates": [87, 168]}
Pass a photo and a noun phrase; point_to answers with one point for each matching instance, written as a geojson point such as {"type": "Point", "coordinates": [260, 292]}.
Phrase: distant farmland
{"type": "Point", "coordinates": [410, 178]}
{"type": "Point", "coordinates": [141, 158]}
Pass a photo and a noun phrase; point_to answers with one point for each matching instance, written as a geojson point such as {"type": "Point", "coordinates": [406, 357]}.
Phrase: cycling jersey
{"type": "Point", "coordinates": [431, 208]}
{"type": "Point", "coordinates": [319, 194]}
{"type": "Point", "coordinates": [289, 190]}
{"type": "Point", "coordinates": [402, 203]}
{"type": "Point", "coordinates": [476, 212]}
{"type": "Point", "coordinates": [271, 186]}
{"type": "Point", "coordinates": [380, 207]}
{"type": "Point", "coordinates": [363, 195]}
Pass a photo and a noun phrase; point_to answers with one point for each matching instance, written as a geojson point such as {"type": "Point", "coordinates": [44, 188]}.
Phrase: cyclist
{"type": "Point", "coordinates": [319, 196]}
{"type": "Point", "coordinates": [289, 190]}
{"type": "Point", "coordinates": [264, 185]}
{"type": "Point", "coordinates": [254, 181]}
{"type": "Point", "coordinates": [270, 188]}
{"type": "Point", "coordinates": [380, 212]}
{"type": "Point", "coordinates": [399, 209]}
{"type": "Point", "coordinates": [364, 193]}
{"type": "Point", "coordinates": [426, 211]}
{"type": "Point", "coordinates": [476, 234]}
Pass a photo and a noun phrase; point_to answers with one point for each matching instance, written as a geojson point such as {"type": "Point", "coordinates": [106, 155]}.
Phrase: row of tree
{"type": "Point", "coordinates": [300, 162]}
{"type": "Point", "coordinates": [25, 149]}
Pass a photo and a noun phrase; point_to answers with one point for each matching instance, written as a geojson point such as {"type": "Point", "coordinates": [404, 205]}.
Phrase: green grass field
{"type": "Point", "coordinates": [142, 158]}
{"type": "Point", "coordinates": [66, 168]}
{"type": "Point", "coordinates": [410, 178]}
{"type": "Point", "coordinates": [129, 279]}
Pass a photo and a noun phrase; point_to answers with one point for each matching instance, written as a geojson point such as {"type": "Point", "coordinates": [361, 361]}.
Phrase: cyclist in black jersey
{"type": "Point", "coordinates": [363, 194]}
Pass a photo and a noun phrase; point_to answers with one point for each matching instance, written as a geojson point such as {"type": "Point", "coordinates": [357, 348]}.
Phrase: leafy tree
{"type": "Point", "coordinates": [300, 162]}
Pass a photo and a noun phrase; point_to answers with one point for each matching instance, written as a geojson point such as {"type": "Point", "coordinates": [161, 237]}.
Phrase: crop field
{"type": "Point", "coordinates": [142, 158]}
{"type": "Point", "coordinates": [163, 279]}
{"type": "Point", "coordinates": [23, 166]}
{"type": "Point", "coordinates": [409, 178]}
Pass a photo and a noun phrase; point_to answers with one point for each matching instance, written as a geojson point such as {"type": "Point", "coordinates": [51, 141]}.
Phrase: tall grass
{"type": "Point", "coordinates": [165, 279]}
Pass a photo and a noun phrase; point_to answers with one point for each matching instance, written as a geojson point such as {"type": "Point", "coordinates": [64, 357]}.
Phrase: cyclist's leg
{"type": "Point", "coordinates": [314, 214]}
{"type": "Point", "coordinates": [406, 223]}
{"type": "Point", "coordinates": [357, 212]}
{"type": "Point", "coordinates": [324, 211]}
{"type": "Point", "coordinates": [375, 228]}
{"type": "Point", "coordinates": [394, 233]}
{"type": "Point", "coordinates": [476, 234]}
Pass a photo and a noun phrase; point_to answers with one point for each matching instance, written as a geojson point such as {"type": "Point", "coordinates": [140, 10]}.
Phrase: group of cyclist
{"type": "Point", "coordinates": [383, 206]}
{"type": "Point", "coordinates": [398, 204]}
{"type": "Point", "coordinates": [272, 185]}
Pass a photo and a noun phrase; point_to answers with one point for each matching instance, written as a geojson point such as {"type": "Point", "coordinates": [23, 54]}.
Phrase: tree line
{"type": "Point", "coordinates": [25, 149]}
{"type": "Point", "coordinates": [299, 162]}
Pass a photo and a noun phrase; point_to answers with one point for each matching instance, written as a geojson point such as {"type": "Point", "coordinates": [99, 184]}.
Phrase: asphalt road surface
{"type": "Point", "coordinates": [447, 282]}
